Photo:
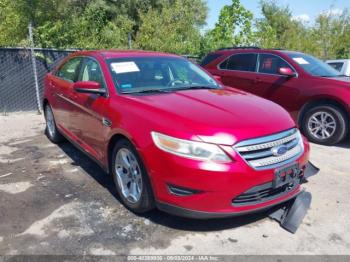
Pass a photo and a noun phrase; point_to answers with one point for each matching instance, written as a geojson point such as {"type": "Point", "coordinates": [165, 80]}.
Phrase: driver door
{"type": "Point", "coordinates": [90, 123]}
{"type": "Point", "coordinates": [274, 86]}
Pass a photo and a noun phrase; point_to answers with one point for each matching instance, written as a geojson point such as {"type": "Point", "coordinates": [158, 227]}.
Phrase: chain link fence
{"type": "Point", "coordinates": [18, 87]}
{"type": "Point", "coordinates": [17, 82]}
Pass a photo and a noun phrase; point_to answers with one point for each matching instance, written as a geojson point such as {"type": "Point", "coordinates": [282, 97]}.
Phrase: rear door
{"type": "Point", "coordinates": [90, 123]}
{"type": "Point", "coordinates": [239, 71]}
{"type": "Point", "coordinates": [62, 82]}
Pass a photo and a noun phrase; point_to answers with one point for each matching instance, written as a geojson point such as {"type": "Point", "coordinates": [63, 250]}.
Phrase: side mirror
{"type": "Point", "coordinates": [286, 71]}
{"type": "Point", "coordinates": [89, 87]}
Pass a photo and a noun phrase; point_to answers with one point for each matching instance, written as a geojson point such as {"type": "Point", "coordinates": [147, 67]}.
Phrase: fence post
{"type": "Point", "coordinates": [129, 40]}
{"type": "Point", "coordinates": [35, 71]}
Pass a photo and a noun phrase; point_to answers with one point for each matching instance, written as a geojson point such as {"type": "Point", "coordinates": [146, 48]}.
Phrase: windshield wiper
{"type": "Point", "coordinates": [148, 91]}
{"type": "Point", "coordinates": [332, 75]}
{"type": "Point", "coordinates": [341, 75]}
{"type": "Point", "coordinates": [168, 90]}
{"type": "Point", "coordinates": [194, 87]}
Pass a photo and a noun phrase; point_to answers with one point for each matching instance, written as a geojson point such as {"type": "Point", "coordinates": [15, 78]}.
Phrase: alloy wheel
{"type": "Point", "coordinates": [129, 177]}
{"type": "Point", "coordinates": [322, 125]}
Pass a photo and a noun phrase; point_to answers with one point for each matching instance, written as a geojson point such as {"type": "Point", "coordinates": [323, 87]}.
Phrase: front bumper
{"type": "Point", "coordinates": [194, 214]}
{"type": "Point", "coordinates": [215, 186]}
{"type": "Point", "coordinates": [309, 170]}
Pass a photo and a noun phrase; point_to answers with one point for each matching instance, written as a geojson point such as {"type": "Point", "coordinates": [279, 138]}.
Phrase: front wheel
{"type": "Point", "coordinates": [51, 130]}
{"type": "Point", "coordinates": [325, 124]}
{"type": "Point", "coordinates": [131, 179]}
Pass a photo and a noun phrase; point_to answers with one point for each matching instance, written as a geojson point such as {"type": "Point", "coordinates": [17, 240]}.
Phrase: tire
{"type": "Point", "coordinates": [142, 201]}
{"type": "Point", "coordinates": [335, 123]}
{"type": "Point", "coordinates": [51, 130]}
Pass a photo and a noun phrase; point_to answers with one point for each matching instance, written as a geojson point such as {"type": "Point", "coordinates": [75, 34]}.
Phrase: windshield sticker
{"type": "Point", "coordinates": [127, 86]}
{"type": "Point", "coordinates": [124, 67]}
{"type": "Point", "coordinates": [300, 61]}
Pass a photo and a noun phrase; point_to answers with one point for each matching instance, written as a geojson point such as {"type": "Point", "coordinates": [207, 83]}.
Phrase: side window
{"type": "Point", "coordinates": [269, 64]}
{"type": "Point", "coordinates": [242, 62]}
{"type": "Point", "coordinates": [91, 71]}
{"type": "Point", "coordinates": [337, 66]}
{"type": "Point", "coordinates": [69, 70]}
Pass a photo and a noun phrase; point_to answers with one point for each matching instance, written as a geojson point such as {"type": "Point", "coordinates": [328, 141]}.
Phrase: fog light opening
{"type": "Point", "coordinates": [181, 191]}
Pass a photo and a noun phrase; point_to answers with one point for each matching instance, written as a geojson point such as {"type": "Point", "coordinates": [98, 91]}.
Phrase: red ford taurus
{"type": "Point", "coordinates": [172, 137]}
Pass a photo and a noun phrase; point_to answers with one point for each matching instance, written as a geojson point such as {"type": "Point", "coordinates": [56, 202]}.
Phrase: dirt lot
{"type": "Point", "coordinates": [54, 200]}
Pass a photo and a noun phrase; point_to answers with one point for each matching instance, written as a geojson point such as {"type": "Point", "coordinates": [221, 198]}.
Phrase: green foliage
{"type": "Point", "coordinates": [233, 28]}
{"type": "Point", "coordinates": [332, 33]}
{"type": "Point", "coordinates": [174, 28]}
{"type": "Point", "coordinates": [170, 26]}
{"type": "Point", "coordinates": [97, 26]}
{"type": "Point", "coordinates": [328, 38]}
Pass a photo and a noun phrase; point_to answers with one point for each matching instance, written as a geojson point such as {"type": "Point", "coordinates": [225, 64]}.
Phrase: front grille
{"type": "Point", "coordinates": [260, 153]}
{"type": "Point", "coordinates": [263, 193]}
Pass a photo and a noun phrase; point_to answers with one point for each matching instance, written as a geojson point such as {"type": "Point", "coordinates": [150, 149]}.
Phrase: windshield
{"type": "Point", "coordinates": [154, 73]}
{"type": "Point", "coordinates": [313, 65]}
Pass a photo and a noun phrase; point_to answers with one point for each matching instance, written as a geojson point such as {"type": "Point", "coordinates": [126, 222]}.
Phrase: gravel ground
{"type": "Point", "coordinates": [54, 200]}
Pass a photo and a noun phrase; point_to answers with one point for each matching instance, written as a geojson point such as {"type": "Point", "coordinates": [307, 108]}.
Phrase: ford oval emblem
{"type": "Point", "coordinates": [279, 150]}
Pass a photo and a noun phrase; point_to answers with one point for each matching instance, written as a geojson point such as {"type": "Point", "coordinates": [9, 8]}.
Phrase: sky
{"type": "Point", "coordinates": [305, 10]}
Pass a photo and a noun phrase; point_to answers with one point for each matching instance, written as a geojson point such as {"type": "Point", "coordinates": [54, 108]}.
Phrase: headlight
{"type": "Point", "coordinates": [190, 149]}
{"type": "Point", "coordinates": [301, 140]}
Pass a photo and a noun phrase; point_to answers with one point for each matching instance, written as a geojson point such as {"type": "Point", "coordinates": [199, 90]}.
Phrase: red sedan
{"type": "Point", "coordinates": [172, 137]}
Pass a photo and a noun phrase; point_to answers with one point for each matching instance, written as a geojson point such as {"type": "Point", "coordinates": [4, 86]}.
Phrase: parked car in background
{"type": "Point", "coordinates": [172, 137]}
{"type": "Point", "coordinates": [341, 65]}
{"type": "Point", "coordinates": [315, 94]}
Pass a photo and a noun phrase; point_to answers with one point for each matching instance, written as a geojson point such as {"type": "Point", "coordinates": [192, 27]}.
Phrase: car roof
{"type": "Point", "coordinates": [108, 54]}
{"type": "Point", "coordinates": [253, 50]}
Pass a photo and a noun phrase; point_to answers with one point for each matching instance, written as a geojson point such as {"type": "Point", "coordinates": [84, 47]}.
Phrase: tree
{"type": "Point", "coordinates": [104, 23]}
{"type": "Point", "coordinates": [278, 29]}
{"type": "Point", "coordinates": [332, 33]}
{"type": "Point", "coordinates": [234, 27]}
{"type": "Point", "coordinates": [173, 28]}
{"type": "Point", "coordinates": [71, 23]}
{"type": "Point", "coordinates": [99, 25]}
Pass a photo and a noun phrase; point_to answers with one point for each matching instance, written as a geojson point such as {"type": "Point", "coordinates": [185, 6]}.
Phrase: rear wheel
{"type": "Point", "coordinates": [325, 124]}
{"type": "Point", "coordinates": [51, 130]}
{"type": "Point", "coordinates": [130, 178]}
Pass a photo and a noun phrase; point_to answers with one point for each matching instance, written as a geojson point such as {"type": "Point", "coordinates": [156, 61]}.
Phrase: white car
{"type": "Point", "coordinates": [342, 65]}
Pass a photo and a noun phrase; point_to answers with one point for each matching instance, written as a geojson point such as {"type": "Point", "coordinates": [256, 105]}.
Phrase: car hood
{"type": "Point", "coordinates": [222, 116]}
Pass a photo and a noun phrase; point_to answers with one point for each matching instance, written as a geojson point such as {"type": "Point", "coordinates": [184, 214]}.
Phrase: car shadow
{"type": "Point", "coordinates": [90, 167]}
{"type": "Point", "coordinates": [207, 225]}
{"type": "Point", "coordinates": [158, 217]}
{"type": "Point", "coordinates": [345, 143]}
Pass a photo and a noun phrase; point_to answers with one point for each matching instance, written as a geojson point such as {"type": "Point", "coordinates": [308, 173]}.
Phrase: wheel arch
{"type": "Point", "coordinates": [323, 100]}
{"type": "Point", "coordinates": [112, 142]}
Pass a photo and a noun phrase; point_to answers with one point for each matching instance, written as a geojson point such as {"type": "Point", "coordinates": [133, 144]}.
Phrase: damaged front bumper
{"type": "Point", "coordinates": [291, 214]}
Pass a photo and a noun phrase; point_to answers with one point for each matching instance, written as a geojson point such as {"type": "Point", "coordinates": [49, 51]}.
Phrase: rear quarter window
{"type": "Point", "coordinates": [240, 62]}
{"type": "Point", "coordinates": [209, 58]}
